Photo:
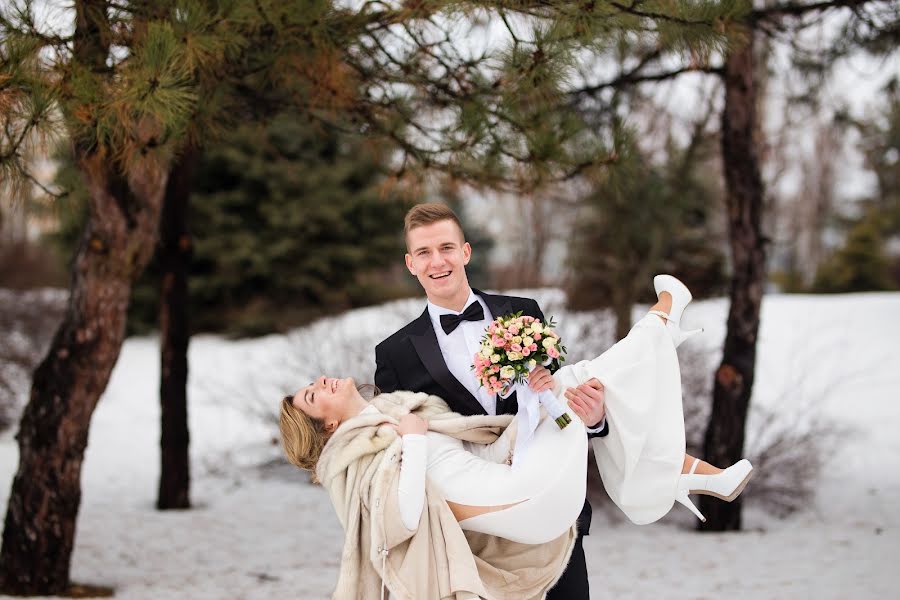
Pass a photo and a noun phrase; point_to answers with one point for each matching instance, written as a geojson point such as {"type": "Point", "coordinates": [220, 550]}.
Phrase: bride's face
{"type": "Point", "coordinates": [325, 399]}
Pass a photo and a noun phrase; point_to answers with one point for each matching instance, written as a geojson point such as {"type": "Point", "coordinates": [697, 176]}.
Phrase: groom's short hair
{"type": "Point", "coordinates": [428, 213]}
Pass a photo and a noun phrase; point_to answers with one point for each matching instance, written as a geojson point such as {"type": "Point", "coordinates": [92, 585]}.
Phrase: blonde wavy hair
{"type": "Point", "coordinates": [304, 437]}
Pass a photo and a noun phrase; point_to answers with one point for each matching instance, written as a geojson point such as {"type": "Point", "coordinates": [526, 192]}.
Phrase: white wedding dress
{"type": "Point", "coordinates": [640, 460]}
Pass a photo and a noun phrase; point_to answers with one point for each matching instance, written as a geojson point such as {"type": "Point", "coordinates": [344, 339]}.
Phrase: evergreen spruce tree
{"type": "Point", "coordinates": [861, 264]}
{"type": "Point", "coordinates": [290, 222]}
{"type": "Point", "coordinates": [642, 220]}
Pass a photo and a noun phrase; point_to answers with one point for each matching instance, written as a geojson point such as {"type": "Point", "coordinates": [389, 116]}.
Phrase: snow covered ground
{"type": "Point", "coordinates": [260, 530]}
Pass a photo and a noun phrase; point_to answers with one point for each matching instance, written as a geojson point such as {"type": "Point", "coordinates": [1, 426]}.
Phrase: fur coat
{"type": "Point", "coordinates": [360, 466]}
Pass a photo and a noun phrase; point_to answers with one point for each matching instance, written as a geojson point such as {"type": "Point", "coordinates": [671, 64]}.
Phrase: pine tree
{"type": "Point", "coordinates": [870, 25]}
{"type": "Point", "coordinates": [136, 83]}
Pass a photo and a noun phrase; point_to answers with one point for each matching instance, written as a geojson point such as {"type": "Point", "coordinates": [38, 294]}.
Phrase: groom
{"type": "Point", "coordinates": [433, 353]}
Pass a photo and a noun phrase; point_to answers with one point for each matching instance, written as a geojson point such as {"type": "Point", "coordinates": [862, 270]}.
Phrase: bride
{"type": "Point", "coordinates": [408, 477]}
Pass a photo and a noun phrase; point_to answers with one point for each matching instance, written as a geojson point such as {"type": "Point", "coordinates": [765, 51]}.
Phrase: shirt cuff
{"type": "Point", "coordinates": [598, 428]}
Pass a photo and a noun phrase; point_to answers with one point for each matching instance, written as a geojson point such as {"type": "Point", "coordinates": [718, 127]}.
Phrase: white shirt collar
{"type": "Point", "coordinates": [436, 311]}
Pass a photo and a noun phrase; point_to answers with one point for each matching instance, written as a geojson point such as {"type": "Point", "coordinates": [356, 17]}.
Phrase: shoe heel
{"type": "Point", "coordinates": [679, 336]}
{"type": "Point", "coordinates": [683, 498]}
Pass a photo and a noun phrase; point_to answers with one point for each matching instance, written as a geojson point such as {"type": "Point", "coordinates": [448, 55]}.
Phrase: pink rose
{"type": "Point", "coordinates": [533, 347]}
{"type": "Point", "coordinates": [495, 368]}
{"type": "Point", "coordinates": [516, 347]}
{"type": "Point", "coordinates": [508, 336]}
{"type": "Point", "coordinates": [552, 352]}
{"type": "Point", "coordinates": [526, 351]}
{"type": "Point", "coordinates": [514, 330]}
{"type": "Point", "coordinates": [536, 336]}
{"type": "Point", "coordinates": [497, 341]}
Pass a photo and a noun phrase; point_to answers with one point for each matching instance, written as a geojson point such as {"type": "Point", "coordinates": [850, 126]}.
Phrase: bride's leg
{"type": "Point", "coordinates": [467, 511]}
{"type": "Point", "coordinates": [664, 304]}
{"type": "Point", "coordinates": [704, 468]}
{"type": "Point", "coordinates": [539, 498]}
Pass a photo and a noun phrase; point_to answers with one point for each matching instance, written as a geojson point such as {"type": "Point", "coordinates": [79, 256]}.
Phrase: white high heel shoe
{"type": "Point", "coordinates": [681, 297]}
{"type": "Point", "coordinates": [726, 485]}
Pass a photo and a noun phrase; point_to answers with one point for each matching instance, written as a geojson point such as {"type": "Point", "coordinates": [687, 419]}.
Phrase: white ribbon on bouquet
{"type": "Point", "coordinates": [528, 416]}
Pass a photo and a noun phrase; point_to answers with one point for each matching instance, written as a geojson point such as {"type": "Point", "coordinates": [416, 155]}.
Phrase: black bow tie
{"type": "Point", "coordinates": [474, 312]}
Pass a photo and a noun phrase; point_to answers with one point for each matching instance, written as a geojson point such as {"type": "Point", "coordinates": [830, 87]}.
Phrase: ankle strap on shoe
{"type": "Point", "coordinates": [660, 313]}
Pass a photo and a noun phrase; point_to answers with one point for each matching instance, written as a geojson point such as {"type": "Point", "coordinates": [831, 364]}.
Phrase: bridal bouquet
{"type": "Point", "coordinates": [512, 346]}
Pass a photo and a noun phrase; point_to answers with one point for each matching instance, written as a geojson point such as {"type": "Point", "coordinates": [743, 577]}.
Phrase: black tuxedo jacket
{"type": "Point", "coordinates": [411, 360]}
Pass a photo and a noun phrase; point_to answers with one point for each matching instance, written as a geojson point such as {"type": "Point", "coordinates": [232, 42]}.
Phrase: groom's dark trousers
{"type": "Point", "coordinates": [411, 360]}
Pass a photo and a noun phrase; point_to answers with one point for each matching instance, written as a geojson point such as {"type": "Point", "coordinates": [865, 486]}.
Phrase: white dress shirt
{"type": "Point", "coordinates": [459, 348]}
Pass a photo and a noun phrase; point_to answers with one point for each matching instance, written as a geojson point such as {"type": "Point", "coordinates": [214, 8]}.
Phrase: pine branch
{"type": "Point", "coordinates": [50, 193]}
{"type": "Point", "coordinates": [634, 77]}
{"type": "Point", "coordinates": [633, 9]}
{"type": "Point", "coordinates": [799, 9]}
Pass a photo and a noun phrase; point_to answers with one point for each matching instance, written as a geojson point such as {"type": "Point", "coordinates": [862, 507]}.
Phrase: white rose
{"type": "Point", "coordinates": [531, 364]}
{"type": "Point", "coordinates": [517, 339]}
{"type": "Point", "coordinates": [514, 355]}
{"type": "Point", "coordinates": [495, 358]}
{"type": "Point", "coordinates": [547, 342]}
{"type": "Point", "coordinates": [507, 372]}
{"type": "Point", "coordinates": [486, 351]}
{"type": "Point", "coordinates": [527, 341]}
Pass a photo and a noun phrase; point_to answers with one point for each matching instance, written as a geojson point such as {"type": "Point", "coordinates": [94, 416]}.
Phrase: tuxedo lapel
{"type": "Point", "coordinates": [424, 340]}
{"type": "Point", "coordinates": [498, 305]}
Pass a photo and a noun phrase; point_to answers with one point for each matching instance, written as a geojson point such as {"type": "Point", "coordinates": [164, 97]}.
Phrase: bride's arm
{"type": "Point", "coordinates": [411, 487]}
{"type": "Point", "coordinates": [499, 451]}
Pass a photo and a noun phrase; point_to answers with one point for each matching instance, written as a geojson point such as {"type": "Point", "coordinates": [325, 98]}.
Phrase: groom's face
{"type": "Point", "coordinates": [437, 256]}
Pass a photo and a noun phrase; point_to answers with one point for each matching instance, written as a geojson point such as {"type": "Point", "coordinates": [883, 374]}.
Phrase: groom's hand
{"type": "Point", "coordinates": [540, 379]}
{"type": "Point", "coordinates": [588, 402]}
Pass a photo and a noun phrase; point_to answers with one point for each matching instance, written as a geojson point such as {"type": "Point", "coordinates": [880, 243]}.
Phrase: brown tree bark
{"type": "Point", "coordinates": [119, 239]}
{"type": "Point", "coordinates": [622, 311]}
{"type": "Point", "coordinates": [174, 254]}
{"type": "Point", "coordinates": [39, 529]}
{"type": "Point", "coordinates": [724, 440]}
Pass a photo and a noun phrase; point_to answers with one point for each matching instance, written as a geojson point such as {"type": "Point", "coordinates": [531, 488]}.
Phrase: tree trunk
{"type": "Point", "coordinates": [174, 254]}
{"type": "Point", "coordinates": [119, 240]}
{"type": "Point", "coordinates": [724, 440]}
{"type": "Point", "coordinates": [622, 310]}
